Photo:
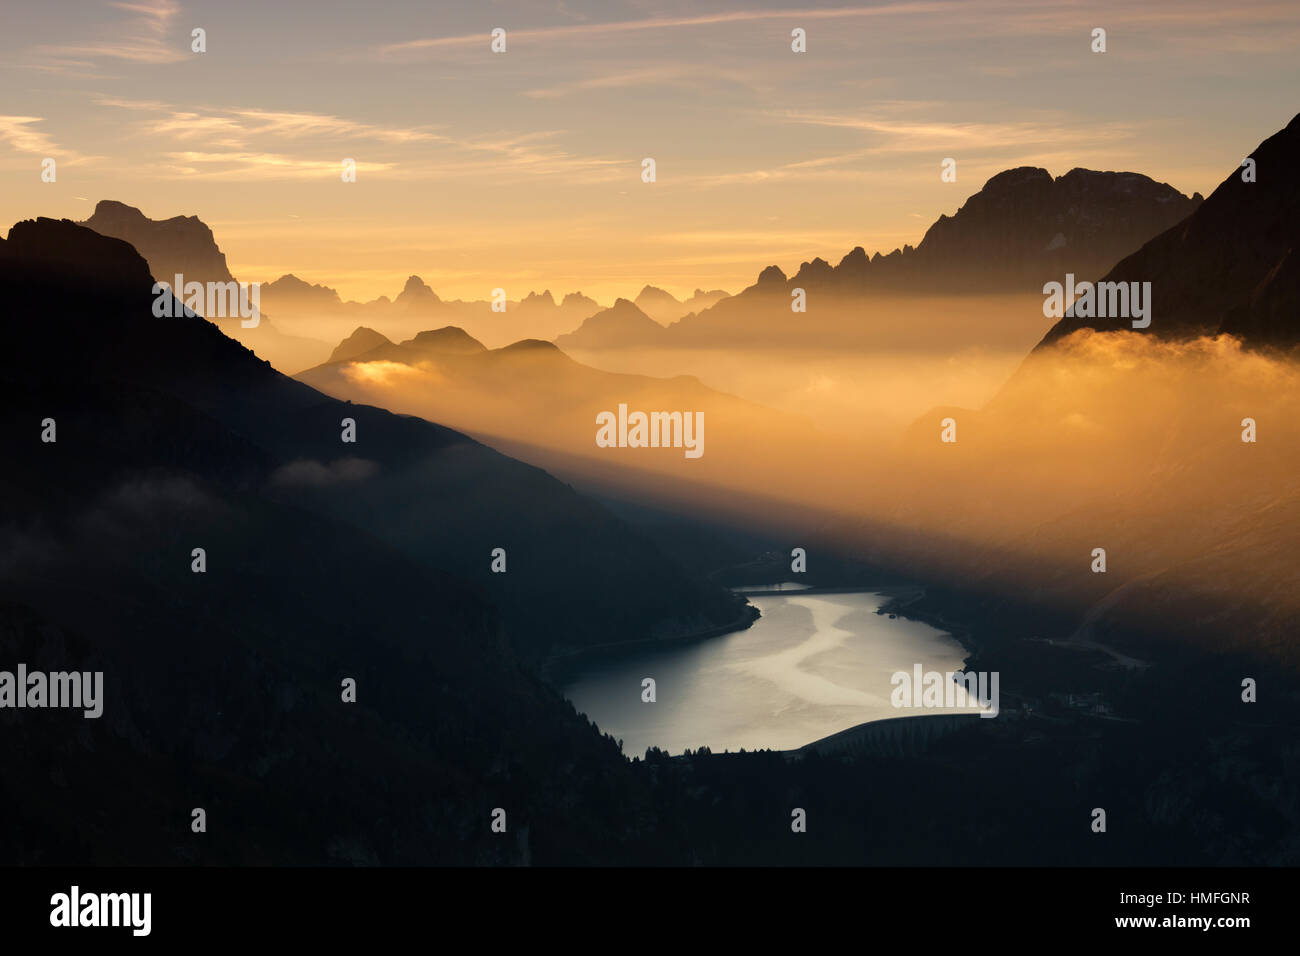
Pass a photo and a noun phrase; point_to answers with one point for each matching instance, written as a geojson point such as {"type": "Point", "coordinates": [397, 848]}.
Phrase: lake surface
{"type": "Point", "coordinates": [812, 665]}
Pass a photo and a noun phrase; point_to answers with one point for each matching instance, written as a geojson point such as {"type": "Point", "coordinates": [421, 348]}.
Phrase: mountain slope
{"type": "Point", "coordinates": [1230, 267]}
{"type": "Point", "coordinates": [223, 690]}
{"type": "Point", "coordinates": [185, 246]}
{"type": "Point", "coordinates": [436, 495]}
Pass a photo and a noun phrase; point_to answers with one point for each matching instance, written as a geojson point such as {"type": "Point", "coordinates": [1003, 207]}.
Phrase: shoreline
{"type": "Point", "coordinates": [552, 667]}
{"type": "Point", "coordinates": [901, 732]}
{"type": "Point", "coordinates": [891, 591]}
{"type": "Point", "coordinates": [960, 633]}
{"type": "Point", "coordinates": [548, 672]}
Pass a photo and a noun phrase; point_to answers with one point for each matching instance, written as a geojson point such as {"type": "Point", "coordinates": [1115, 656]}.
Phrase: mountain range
{"type": "Point", "coordinates": [417, 306]}
{"type": "Point", "coordinates": [1022, 229]}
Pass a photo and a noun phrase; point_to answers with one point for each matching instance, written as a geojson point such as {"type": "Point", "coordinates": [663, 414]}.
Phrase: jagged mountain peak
{"type": "Point", "coordinates": [181, 245]}
{"type": "Point", "coordinates": [655, 295]}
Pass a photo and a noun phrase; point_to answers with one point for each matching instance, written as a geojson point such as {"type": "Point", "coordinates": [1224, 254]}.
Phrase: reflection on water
{"type": "Point", "coordinates": [811, 666]}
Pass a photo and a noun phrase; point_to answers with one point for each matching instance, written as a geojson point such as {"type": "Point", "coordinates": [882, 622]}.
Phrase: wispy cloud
{"type": "Point", "coordinates": [22, 136]}
{"type": "Point", "coordinates": [20, 133]}
{"type": "Point", "coordinates": [904, 129]}
{"type": "Point", "coordinates": [241, 126]}
{"type": "Point", "coordinates": [232, 141]}
{"type": "Point", "coordinates": [925, 135]}
{"type": "Point", "coordinates": [584, 31]}
{"type": "Point", "coordinates": [1194, 21]}
{"type": "Point", "coordinates": [661, 75]}
{"type": "Point", "coordinates": [142, 38]}
{"type": "Point", "coordinates": [247, 165]}
{"type": "Point", "coordinates": [293, 125]}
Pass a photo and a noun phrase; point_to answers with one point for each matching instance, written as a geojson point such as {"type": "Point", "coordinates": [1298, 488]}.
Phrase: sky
{"type": "Point", "coordinates": [522, 170]}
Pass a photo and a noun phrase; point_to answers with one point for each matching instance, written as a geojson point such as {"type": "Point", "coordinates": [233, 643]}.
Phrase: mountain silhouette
{"type": "Point", "coordinates": [358, 343]}
{"type": "Point", "coordinates": [700, 299]}
{"type": "Point", "coordinates": [624, 325]}
{"type": "Point", "coordinates": [289, 289]}
{"type": "Point", "coordinates": [416, 295]}
{"type": "Point", "coordinates": [184, 246]}
{"type": "Point", "coordinates": [661, 306]}
{"type": "Point", "coordinates": [544, 299]}
{"type": "Point", "coordinates": [181, 245]}
{"type": "Point", "coordinates": [577, 302]}
{"type": "Point", "coordinates": [446, 341]}
{"type": "Point", "coordinates": [1025, 225]}
{"type": "Point", "coordinates": [1022, 229]}
{"type": "Point", "coordinates": [1231, 267]}
{"type": "Point", "coordinates": [319, 309]}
